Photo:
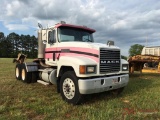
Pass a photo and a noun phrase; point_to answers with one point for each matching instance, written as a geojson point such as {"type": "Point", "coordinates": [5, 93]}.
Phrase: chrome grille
{"type": "Point", "coordinates": [109, 60]}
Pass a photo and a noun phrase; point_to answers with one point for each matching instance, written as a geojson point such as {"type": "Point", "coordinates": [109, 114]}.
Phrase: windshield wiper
{"type": "Point", "coordinates": [88, 40]}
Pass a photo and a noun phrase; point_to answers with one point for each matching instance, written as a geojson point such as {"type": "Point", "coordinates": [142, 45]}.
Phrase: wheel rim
{"type": "Point", "coordinates": [17, 72]}
{"type": "Point", "coordinates": [68, 88]}
{"type": "Point", "coordinates": [23, 74]}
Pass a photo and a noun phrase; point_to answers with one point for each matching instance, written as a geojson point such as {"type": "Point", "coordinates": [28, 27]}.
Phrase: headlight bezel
{"type": "Point", "coordinates": [125, 67]}
{"type": "Point", "coordinates": [84, 69]}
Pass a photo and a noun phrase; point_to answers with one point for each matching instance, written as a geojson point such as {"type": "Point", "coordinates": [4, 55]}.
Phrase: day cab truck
{"type": "Point", "coordinates": [69, 58]}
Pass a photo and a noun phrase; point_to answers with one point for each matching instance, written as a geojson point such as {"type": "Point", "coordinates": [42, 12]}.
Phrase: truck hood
{"type": "Point", "coordinates": [87, 45]}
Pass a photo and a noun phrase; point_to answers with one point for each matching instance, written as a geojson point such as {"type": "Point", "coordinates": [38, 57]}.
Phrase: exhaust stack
{"type": "Point", "coordinates": [41, 46]}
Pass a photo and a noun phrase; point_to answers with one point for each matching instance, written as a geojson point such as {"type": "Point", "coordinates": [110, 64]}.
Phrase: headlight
{"type": "Point", "coordinates": [90, 69]}
{"type": "Point", "coordinates": [83, 69]}
{"type": "Point", "coordinates": [124, 67]}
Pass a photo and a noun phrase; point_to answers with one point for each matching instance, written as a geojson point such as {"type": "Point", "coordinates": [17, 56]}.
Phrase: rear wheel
{"type": "Point", "coordinates": [18, 71]}
{"type": "Point", "coordinates": [26, 76]}
{"type": "Point", "coordinates": [34, 77]}
{"type": "Point", "coordinates": [69, 88]}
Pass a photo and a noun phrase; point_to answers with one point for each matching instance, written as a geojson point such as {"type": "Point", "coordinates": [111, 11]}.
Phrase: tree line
{"type": "Point", "coordinates": [13, 44]}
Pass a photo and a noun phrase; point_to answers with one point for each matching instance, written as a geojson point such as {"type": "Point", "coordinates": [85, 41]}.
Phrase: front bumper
{"type": "Point", "coordinates": [96, 85]}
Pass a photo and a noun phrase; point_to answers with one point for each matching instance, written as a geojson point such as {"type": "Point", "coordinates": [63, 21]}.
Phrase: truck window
{"type": "Point", "coordinates": [66, 38]}
{"type": "Point", "coordinates": [66, 34]}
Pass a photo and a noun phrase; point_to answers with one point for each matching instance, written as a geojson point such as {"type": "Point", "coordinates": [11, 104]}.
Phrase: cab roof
{"type": "Point", "coordinates": [74, 26]}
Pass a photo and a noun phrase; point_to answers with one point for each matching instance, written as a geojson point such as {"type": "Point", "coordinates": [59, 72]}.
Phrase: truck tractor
{"type": "Point", "coordinates": [69, 58]}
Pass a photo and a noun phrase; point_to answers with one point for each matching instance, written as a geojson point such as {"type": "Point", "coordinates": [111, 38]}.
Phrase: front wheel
{"type": "Point", "coordinates": [69, 88]}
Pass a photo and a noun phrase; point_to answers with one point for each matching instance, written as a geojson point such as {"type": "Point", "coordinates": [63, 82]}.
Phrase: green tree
{"type": "Point", "coordinates": [2, 39]}
{"type": "Point", "coordinates": [135, 49]}
{"type": "Point", "coordinates": [1, 35]}
{"type": "Point", "coordinates": [6, 48]}
{"type": "Point", "coordinates": [15, 41]}
{"type": "Point", "coordinates": [13, 44]}
{"type": "Point", "coordinates": [33, 47]}
{"type": "Point", "coordinates": [29, 45]}
{"type": "Point", "coordinates": [123, 57]}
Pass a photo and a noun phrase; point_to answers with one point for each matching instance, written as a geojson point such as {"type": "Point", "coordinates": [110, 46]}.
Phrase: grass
{"type": "Point", "coordinates": [19, 101]}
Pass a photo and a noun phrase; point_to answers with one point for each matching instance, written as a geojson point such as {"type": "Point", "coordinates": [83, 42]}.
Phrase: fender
{"type": "Point", "coordinates": [74, 62]}
{"type": "Point", "coordinates": [123, 61]}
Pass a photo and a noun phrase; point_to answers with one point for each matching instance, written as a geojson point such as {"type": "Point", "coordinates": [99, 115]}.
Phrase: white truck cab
{"type": "Point", "coordinates": [69, 58]}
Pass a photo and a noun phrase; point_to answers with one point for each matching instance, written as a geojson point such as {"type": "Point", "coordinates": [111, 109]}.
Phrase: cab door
{"type": "Point", "coordinates": [51, 48]}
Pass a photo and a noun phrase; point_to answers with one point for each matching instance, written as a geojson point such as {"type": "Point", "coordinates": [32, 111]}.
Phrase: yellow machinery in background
{"type": "Point", "coordinates": [144, 63]}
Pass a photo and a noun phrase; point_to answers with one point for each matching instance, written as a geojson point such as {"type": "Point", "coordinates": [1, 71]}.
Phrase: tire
{"type": "Point", "coordinates": [69, 88]}
{"type": "Point", "coordinates": [18, 71]}
{"type": "Point", "coordinates": [26, 76]}
{"type": "Point", "coordinates": [34, 77]}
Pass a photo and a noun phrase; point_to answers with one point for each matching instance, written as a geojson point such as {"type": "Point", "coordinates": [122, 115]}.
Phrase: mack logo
{"type": "Point", "coordinates": [103, 61]}
{"type": "Point", "coordinates": [109, 61]}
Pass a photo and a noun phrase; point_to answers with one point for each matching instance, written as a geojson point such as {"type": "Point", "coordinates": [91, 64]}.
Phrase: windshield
{"type": "Point", "coordinates": [67, 34]}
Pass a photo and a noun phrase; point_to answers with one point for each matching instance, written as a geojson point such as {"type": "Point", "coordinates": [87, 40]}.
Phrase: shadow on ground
{"type": "Point", "coordinates": [137, 82]}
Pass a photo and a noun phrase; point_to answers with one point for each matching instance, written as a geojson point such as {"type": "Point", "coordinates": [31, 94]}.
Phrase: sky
{"type": "Point", "coordinates": [126, 22]}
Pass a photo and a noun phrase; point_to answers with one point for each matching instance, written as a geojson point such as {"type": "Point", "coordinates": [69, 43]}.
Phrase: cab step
{"type": "Point", "coordinates": [43, 82]}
